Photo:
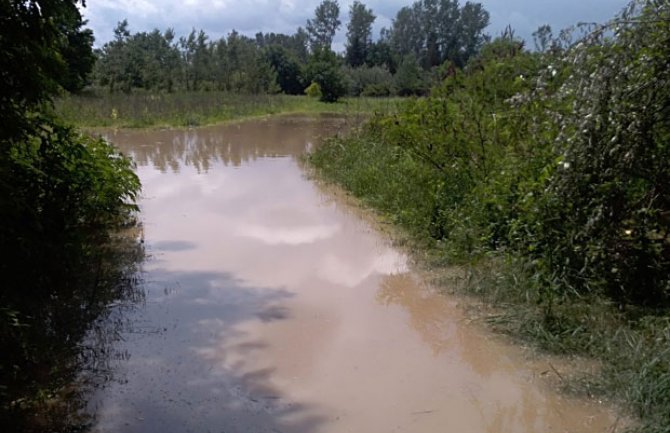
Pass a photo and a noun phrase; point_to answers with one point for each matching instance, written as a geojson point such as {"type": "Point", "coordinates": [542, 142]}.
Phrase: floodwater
{"type": "Point", "coordinates": [271, 307]}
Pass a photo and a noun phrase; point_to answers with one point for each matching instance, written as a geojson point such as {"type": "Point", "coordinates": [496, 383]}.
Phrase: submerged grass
{"type": "Point", "coordinates": [187, 109]}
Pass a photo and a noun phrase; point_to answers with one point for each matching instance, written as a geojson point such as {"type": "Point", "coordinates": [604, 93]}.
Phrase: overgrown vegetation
{"type": "Point", "coordinates": [187, 109]}
{"type": "Point", "coordinates": [546, 173]}
{"type": "Point", "coordinates": [63, 197]}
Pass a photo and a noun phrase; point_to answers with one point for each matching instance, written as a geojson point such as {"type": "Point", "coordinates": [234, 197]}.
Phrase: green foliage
{"type": "Point", "coordinates": [43, 48]}
{"type": "Point", "coordinates": [324, 69]}
{"type": "Point", "coordinates": [155, 61]}
{"type": "Point", "coordinates": [313, 90]}
{"type": "Point", "coordinates": [409, 79]}
{"type": "Point", "coordinates": [431, 32]}
{"type": "Point", "coordinates": [288, 69]}
{"type": "Point", "coordinates": [567, 168]}
{"type": "Point", "coordinates": [324, 25]}
{"type": "Point", "coordinates": [295, 44]}
{"type": "Point", "coordinates": [359, 34]}
{"type": "Point", "coordinates": [380, 53]}
{"type": "Point", "coordinates": [61, 196]}
{"type": "Point", "coordinates": [609, 183]}
{"type": "Point", "coordinates": [186, 109]}
{"type": "Point", "coordinates": [555, 166]}
{"type": "Point", "coordinates": [436, 31]}
{"type": "Point", "coordinates": [369, 81]}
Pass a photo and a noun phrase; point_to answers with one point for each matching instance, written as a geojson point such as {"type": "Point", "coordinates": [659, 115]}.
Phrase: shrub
{"type": "Point", "coordinates": [313, 90]}
{"type": "Point", "coordinates": [377, 80]}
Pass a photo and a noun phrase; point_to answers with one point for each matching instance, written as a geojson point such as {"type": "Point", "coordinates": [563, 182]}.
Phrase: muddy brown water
{"type": "Point", "coordinates": [271, 307]}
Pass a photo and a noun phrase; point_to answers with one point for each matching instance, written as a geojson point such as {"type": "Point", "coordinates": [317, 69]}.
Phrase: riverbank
{"type": "Point", "coordinates": [544, 176]}
{"type": "Point", "coordinates": [189, 109]}
{"type": "Point", "coordinates": [628, 344]}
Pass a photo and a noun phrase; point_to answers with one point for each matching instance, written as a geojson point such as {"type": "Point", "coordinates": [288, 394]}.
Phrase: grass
{"type": "Point", "coordinates": [630, 344]}
{"type": "Point", "coordinates": [145, 110]}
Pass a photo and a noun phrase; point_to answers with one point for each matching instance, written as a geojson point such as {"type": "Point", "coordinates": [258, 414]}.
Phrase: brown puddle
{"type": "Point", "coordinates": [272, 308]}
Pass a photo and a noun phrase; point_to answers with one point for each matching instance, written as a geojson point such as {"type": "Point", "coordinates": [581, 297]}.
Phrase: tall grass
{"type": "Point", "coordinates": [186, 109]}
{"type": "Point", "coordinates": [631, 345]}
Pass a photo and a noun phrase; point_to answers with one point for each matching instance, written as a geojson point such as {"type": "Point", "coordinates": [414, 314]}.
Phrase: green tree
{"type": "Point", "coordinates": [79, 56]}
{"type": "Point", "coordinates": [473, 20]}
{"type": "Point", "coordinates": [141, 60]}
{"type": "Point", "coordinates": [380, 53]}
{"type": "Point", "coordinates": [324, 69]}
{"type": "Point", "coordinates": [197, 60]}
{"type": "Point", "coordinates": [300, 44]}
{"type": "Point", "coordinates": [409, 79]}
{"type": "Point", "coordinates": [322, 27]}
{"type": "Point", "coordinates": [202, 62]}
{"type": "Point", "coordinates": [405, 34]}
{"type": "Point", "coordinates": [359, 34]}
{"type": "Point", "coordinates": [115, 67]}
{"type": "Point", "coordinates": [37, 58]}
{"type": "Point", "coordinates": [435, 31]}
{"type": "Point", "coordinates": [288, 69]}
{"type": "Point", "coordinates": [187, 48]}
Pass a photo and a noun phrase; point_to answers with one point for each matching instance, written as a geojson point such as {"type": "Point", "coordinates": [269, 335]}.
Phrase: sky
{"type": "Point", "coordinates": [218, 17]}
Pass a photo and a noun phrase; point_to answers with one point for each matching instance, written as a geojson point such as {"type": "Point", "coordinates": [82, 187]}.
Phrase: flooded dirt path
{"type": "Point", "coordinates": [270, 307]}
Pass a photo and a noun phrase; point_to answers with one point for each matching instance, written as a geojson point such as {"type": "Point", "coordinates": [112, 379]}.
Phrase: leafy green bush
{"type": "Point", "coordinates": [369, 81]}
{"type": "Point", "coordinates": [561, 157]}
{"type": "Point", "coordinates": [549, 174]}
{"type": "Point", "coordinates": [313, 90]}
{"type": "Point", "coordinates": [410, 79]}
{"type": "Point", "coordinates": [377, 90]}
{"type": "Point", "coordinates": [604, 219]}
{"type": "Point", "coordinates": [62, 195]}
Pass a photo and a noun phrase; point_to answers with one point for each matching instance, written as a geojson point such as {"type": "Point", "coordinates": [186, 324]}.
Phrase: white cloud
{"type": "Point", "coordinates": [288, 235]}
{"type": "Point", "coordinates": [218, 17]}
{"type": "Point", "coordinates": [138, 7]}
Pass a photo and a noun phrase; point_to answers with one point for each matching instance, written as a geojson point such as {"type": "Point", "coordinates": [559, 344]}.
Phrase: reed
{"type": "Point", "coordinates": [188, 109]}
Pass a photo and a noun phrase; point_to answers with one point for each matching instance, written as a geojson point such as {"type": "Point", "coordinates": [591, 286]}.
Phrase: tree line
{"type": "Point", "coordinates": [422, 38]}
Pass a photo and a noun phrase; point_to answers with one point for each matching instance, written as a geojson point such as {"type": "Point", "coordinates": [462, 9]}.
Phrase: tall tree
{"type": "Point", "coordinates": [448, 29]}
{"type": "Point", "coordinates": [324, 69]}
{"type": "Point", "coordinates": [300, 44]}
{"type": "Point", "coordinates": [380, 53]}
{"type": "Point", "coordinates": [435, 31]}
{"type": "Point", "coordinates": [202, 61]}
{"type": "Point", "coordinates": [326, 22]}
{"type": "Point", "coordinates": [406, 32]}
{"type": "Point", "coordinates": [359, 33]}
{"type": "Point", "coordinates": [79, 57]}
{"type": "Point", "coordinates": [288, 69]}
{"type": "Point", "coordinates": [474, 19]}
